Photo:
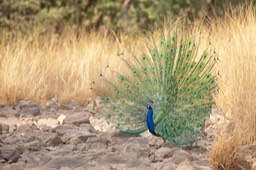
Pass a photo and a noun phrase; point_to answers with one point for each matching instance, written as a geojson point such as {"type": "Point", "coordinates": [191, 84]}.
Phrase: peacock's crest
{"type": "Point", "coordinates": [171, 78]}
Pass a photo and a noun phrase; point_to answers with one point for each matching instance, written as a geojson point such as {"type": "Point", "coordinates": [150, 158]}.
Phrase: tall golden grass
{"type": "Point", "coordinates": [234, 38]}
{"type": "Point", "coordinates": [40, 67]}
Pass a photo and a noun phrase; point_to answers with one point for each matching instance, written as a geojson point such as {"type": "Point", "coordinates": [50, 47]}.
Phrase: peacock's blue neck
{"type": "Point", "coordinates": [150, 122]}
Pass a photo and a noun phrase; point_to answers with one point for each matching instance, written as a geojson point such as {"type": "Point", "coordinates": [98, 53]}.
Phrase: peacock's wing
{"type": "Point", "coordinates": [186, 98]}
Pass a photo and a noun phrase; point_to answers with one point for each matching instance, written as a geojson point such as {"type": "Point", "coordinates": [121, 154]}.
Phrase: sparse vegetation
{"type": "Point", "coordinates": [225, 154]}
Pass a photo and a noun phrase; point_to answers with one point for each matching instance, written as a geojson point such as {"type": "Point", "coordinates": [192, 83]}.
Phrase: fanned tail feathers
{"type": "Point", "coordinates": [173, 80]}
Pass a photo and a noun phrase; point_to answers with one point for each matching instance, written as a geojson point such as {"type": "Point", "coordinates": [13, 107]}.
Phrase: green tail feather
{"type": "Point", "coordinates": [173, 81]}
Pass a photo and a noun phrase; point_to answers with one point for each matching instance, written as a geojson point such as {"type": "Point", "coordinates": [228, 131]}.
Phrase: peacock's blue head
{"type": "Point", "coordinates": [149, 107]}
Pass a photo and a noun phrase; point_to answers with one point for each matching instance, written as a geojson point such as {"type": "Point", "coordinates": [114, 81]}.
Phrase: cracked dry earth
{"type": "Point", "coordinates": [73, 137]}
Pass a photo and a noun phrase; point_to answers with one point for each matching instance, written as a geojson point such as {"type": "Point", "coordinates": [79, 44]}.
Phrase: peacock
{"type": "Point", "coordinates": [167, 89]}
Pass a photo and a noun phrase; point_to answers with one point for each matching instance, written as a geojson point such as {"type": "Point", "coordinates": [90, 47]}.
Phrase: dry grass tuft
{"type": "Point", "coordinates": [225, 154]}
{"type": "Point", "coordinates": [234, 38]}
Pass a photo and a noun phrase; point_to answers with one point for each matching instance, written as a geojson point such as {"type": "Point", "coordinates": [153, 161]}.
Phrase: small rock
{"type": "Point", "coordinates": [181, 156]}
{"type": "Point", "coordinates": [4, 128]}
{"type": "Point", "coordinates": [254, 165]}
{"type": "Point", "coordinates": [203, 162]}
{"type": "Point", "coordinates": [167, 164]}
{"type": "Point", "coordinates": [54, 141]}
{"type": "Point", "coordinates": [186, 165]}
{"type": "Point", "coordinates": [163, 153]}
{"type": "Point", "coordinates": [74, 141]}
{"type": "Point", "coordinates": [136, 145]}
{"type": "Point", "coordinates": [98, 167]}
{"type": "Point", "coordinates": [77, 118]}
{"type": "Point", "coordinates": [69, 106]}
{"type": "Point", "coordinates": [26, 131]}
{"type": "Point", "coordinates": [89, 127]}
{"type": "Point", "coordinates": [1, 129]}
{"type": "Point", "coordinates": [15, 166]}
{"type": "Point", "coordinates": [72, 131]}
{"type": "Point", "coordinates": [67, 161]}
{"type": "Point", "coordinates": [202, 167]}
{"type": "Point", "coordinates": [41, 168]}
{"type": "Point", "coordinates": [97, 143]}
{"type": "Point", "coordinates": [9, 154]}
{"type": "Point", "coordinates": [9, 110]}
{"type": "Point", "coordinates": [81, 168]}
{"type": "Point", "coordinates": [61, 119]}
{"type": "Point", "coordinates": [33, 146]}
{"type": "Point", "coordinates": [32, 109]}
{"type": "Point", "coordinates": [52, 105]}
{"type": "Point", "coordinates": [50, 122]}
{"type": "Point", "coordinates": [65, 168]}
{"type": "Point", "coordinates": [11, 122]}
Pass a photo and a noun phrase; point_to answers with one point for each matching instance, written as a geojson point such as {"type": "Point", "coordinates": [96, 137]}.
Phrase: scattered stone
{"type": "Point", "coordinates": [52, 106]}
{"type": "Point", "coordinates": [97, 143]}
{"type": "Point", "coordinates": [65, 168]}
{"type": "Point", "coordinates": [74, 141]}
{"type": "Point", "coordinates": [15, 166]}
{"type": "Point", "coordinates": [254, 165]}
{"type": "Point", "coordinates": [32, 109]}
{"type": "Point", "coordinates": [163, 153]}
{"type": "Point", "coordinates": [89, 127]}
{"type": "Point", "coordinates": [54, 141]}
{"type": "Point", "coordinates": [136, 145]}
{"type": "Point", "coordinates": [203, 162]}
{"type": "Point", "coordinates": [82, 168]}
{"type": "Point", "coordinates": [26, 131]}
{"type": "Point", "coordinates": [71, 161]}
{"type": "Point", "coordinates": [49, 122]}
{"type": "Point", "coordinates": [181, 156]}
{"type": "Point", "coordinates": [167, 164]}
{"type": "Point", "coordinates": [77, 118]}
{"type": "Point", "coordinates": [61, 119]}
{"type": "Point", "coordinates": [186, 165]}
{"type": "Point", "coordinates": [6, 111]}
{"type": "Point", "coordinates": [197, 167]}
{"type": "Point", "coordinates": [33, 146]}
{"type": "Point", "coordinates": [41, 168]}
{"type": "Point", "coordinates": [72, 131]}
{"type": "Point", "coordinates": [69, 106]}
{"type": "Point", "coordinates": [1, 129]}
{"type": "Point", "coordinates": [9, 154]}
{"type": "Point", "coordinates": [11, 121]}
{"type": "Point", "coordinates": [4, 128]}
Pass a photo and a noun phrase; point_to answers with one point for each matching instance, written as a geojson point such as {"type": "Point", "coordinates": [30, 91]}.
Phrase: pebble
{"type": "Point", "coordinates": [9, 154]}
{"type": "Point", "coordinates": [77, 118]}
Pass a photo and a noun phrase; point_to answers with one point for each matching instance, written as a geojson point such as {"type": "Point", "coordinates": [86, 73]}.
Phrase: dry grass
{"type": "Point", "coordinates": [39, 68]}
{"type": "Point", "coordinates": [43, 67]}
{"type": "Point", "coordinates": [225, 154]}
{"type": "Point", "coordinates": [235, 40]}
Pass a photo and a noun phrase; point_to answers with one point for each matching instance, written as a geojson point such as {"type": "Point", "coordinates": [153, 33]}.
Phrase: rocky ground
{"type": "Point", "coordinates": [67, 137]}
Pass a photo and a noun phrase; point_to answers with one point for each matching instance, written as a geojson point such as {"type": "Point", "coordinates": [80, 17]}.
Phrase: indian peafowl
{"type": "Point", "coordinates": [169, 91]}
